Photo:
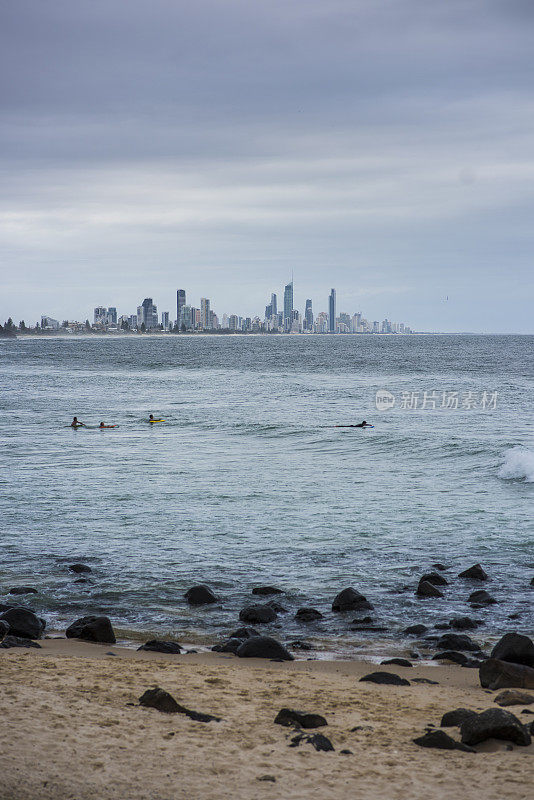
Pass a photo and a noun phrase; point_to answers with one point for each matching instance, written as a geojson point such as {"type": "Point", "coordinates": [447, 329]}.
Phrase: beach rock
{"type": "Point", "coordinates": [289, 717]}
{"type": "Point", "coordinates": [17, 641]}
{"type": "Point", "coordinates": [511, 697]}
{"type": "Point", "coordinates": [23, 590]}
{"type": "Point", "coordinates": [263, 647]}
{"type": "Point", "coordinates": [385, 678]}
{"type": "Point", "coordinates": [495, 723]}
{"type": "Point", "coordinates": [464, 623]}
{"type": "Point", "coordinates": [495, 674]}
{"type": "Point", "coordinates": [92, 629]}
{"type": "Point", "coordinates": [266, 590]}
{"type": "Point", "coordinates": [457, 641]}
{"type": "Point", "coordinates": [434, 578]}
{"type": "Point", "coordinates": [161, 646]}
{"type": "Point", "coordinates": [515, 648]}
{"type": "Point", "coordinates": [4, 628]}
{"type": "Point", "coordinates": [308, 615]}
{"type": "Point", "coordinates": [481, 598]}
{"type": "Point", "coordinates": [229, 646]}
{"type": "Point", "coordinates": [318, 740]}
{"type": "Point", "coordinates": [451, 655]}
{"type": "Point", "coordinates": [474, 573]}
{"type": "Point", "coordinates": [426, 589]}
{"type": "Point", "coordinates": [276, 607]}
{"type": "Point", "coordinates": [400, 662]}
{"type": "Point", "coordinates": [80, 568]}
{"type": "Point", "coordinates": [453, 718]}
{"type": "Point", "coordinates": [163, 701]}
{"type": "Point", "coordinates": [351, 600]}
{"type": "Point", "coordinates": [200, 595]}
{"type": "Point", "coordinates": [23, 622]}
{"type": "Point", "coordinates": [442, 741]}
{"type": "Point", "coordinates": [415, 630]}
{"type": "Point", "coordinates": [244, 633]}
{"type": "Point", "coordinates": [257, 614]}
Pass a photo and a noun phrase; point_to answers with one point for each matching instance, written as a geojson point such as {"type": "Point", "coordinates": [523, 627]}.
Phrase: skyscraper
{"type": "Point", "coordinates": [180, 303]}
{"type": "Point", "coordinates": [205, 320]}
{"type": "Point", "coordinates": [288, 306]}
{"type": "Point", "coordinates": [332, 312]}
{"type": "Point", "coordinates": [150, 313]}
{"type": "Point", "coordinates": [308, 316]}
{"type": "Point", "coordinates": [274, 306]}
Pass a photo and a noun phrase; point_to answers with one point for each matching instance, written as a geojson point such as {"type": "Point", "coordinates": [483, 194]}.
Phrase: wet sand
{"type": "Point", "coordinates": [69, 730]}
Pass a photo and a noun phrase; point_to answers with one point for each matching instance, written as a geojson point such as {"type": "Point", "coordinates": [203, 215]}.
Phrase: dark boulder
{"type": "Point", "coordinates": [244, 633]}
{"type": "Point", "coordinates": [457, 641]}
{"type": "Point", "coordinates": [257, 614]}
{"type": "Point", "coordinates": [451, 655]}
{"type": "Point", "coordinates": [515, 648]}
{"type": "Point", "coordinates": [495, 674]}
{"type": "Point", "coordinates": [481, 598]}
{"type": "Point", "coordinates": [163, 701]}
{"type": "Point", "coordinates": [289, 717]}
{"type": "Point", "coordinates": [426, 589]}
{"type": "Point", "coordinates": [229, 646]}
{"type": "Point", "coordinates": [80, 568]}
{"type": "Point", "coordinates": [464, 623]}
{"type": "Point", "coordinates": [266, 590]}
{"type": "Point", "coordinates": [92, 629]}
{"type": "Point", "coordinates": [511, 697]}
{"type": "Point", "coordinates": [23, 590]}
{"type": "Point", "coordinates": [495, 723]}
{"type": "Point", "coordinates": [308, 615]}
{"type": "Point", "coordinates": [263, 647]}
{"type": "Point", "coordinates": [415, 630]}
{"type": "Point", "coordinates": [453, 718]}
{"type": "Point", "coordinates": [386, 678]}
{"type": "Point", "coordinates": [400, 662]}
{"type": "Point", "coordinates": [23, 622]}
{"type": "Point", "coordinates": [474, 573]}
{"type": "Point", "coordinates": [351, 600]}
{"type": "Point", "coordinates": [441, 741]}
{"type": "Point", "coordinates": [17, 641]}
{"type": "Point", "coordinates": [200, 595]}
{"type": "Point", "coordinates": [161, 646]}
{"type": "Point", "coordinates": [318, 740]}
{"type": "Point", "coordinates": [434, 578]}
{"type": "Point", "coordinates": [4, 628]}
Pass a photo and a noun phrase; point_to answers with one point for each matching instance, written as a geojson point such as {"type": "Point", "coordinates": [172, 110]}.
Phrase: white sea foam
{"type": "Point", "coordinates": [518, 463]}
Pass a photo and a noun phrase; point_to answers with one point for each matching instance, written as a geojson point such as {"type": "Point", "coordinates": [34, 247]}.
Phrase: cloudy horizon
{"type": "Point", "coordinates": [381, 148]}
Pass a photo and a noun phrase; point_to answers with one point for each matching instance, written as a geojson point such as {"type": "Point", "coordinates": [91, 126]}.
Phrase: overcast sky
{"type": "Point", "coordinates": [381, 147]}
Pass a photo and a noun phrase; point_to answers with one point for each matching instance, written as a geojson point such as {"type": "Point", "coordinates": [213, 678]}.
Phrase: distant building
{"type": "Point", "coordinates": [180, 303]}
{"type": "Point", "coordinates": [99, 317]}
{"type": "Point", "coordinates": [288, 306]}
{"type": "Point", "coordinates": [165, 322]}
{"type": "Point", "coordinates": [149, 313]}
{"type": "Point", "coordinates": [332, 312]}
{"type": "Point", "coordinates": [205, 319]}
{"type": "Point", "coordinates": [233, 322]}
{"type": "Point", "coordinates": [274, 305]}
{"type": "Point", "coordinates": [49, 324]}
{"type": "Point", "coordinates": [308, 316]}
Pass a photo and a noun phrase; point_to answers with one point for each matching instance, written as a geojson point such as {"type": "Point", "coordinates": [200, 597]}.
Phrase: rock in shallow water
{"type": "Point", "coordinates": [92, 629]}
{"type": "Point", "coordinates": [481, 598]}
{"type": "Point", "coordinates": [23, 590]}
{"type": "Point", "coordinates": [290, 717]}
{"type": "Point", "coordinates": [161, 646]}
{"type": "Point", "coordinates": [308, 615]}
{"type": "Point", "coordinates": [415, 630]}
{"type": "Point", "coordinates": [258, 614]}
{"type": "Point", "coordinates": [495, 723]}
{"type": "Point", "coordinates": [200, 595]}
{"type": "Point", "coordinates": [23, 622]}
{"type": "Point", "coordinates": [266, 590]}
{"type": "Point", "coordinates": [400, 662]}
{"type": "Point", "coordinates": [426, 589]}
{"type": "Point", "coordinates": [474, 573]}
{"type": "Point", "coordinates": [457, 641]}
{"type": "Point", "coordinates": [434, 578]}
{"type": "Point", "coordinates": [263, 647]}
{"type": "Point", "coordinates": [350, 600]}
{"type": "Point", "coordinates": [78, 568]}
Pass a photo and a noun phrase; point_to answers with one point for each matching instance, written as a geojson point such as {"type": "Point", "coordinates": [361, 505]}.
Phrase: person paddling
{"type": "Point", "coordinates": [363, 424]}
{"type": "Point", "coordinates": [76, 424]}
{"type": "Point", "coordinates": [106, 426]}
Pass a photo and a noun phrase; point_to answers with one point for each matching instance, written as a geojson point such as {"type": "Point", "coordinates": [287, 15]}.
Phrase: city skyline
{"type": "Point", "coordinates": [379, 147]}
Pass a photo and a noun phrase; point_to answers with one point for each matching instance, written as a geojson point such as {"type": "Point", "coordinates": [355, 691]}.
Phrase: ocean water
{"type": "Point", "coordinates": [248, 482]}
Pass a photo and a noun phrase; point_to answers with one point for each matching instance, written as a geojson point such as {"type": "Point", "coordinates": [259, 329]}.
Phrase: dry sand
{"type": "Point", "coordinates": [68, 731]}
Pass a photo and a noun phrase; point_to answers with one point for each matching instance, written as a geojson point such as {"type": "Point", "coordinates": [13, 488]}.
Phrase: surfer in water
{"type": "Point", "coordinates": [363, 424]}
{"type": "Point", "coordinates": [106, 426]}
{"type": "Point", "coordinates": [76, 424]}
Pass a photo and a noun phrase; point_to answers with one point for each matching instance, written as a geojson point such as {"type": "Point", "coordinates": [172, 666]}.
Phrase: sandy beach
{"type": "Point", "coordinates": [72, 728]}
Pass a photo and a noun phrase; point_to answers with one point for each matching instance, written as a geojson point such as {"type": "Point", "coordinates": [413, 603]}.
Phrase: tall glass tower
{"type": "Point", "coordinates": [274, 305]}
{"type": "Point", "coordinates": [180, 303]}
{"type": "Point", "coordinates": [288, 306]}
{"type": "Point", "coordinates": [308, 316]}
{"type": "Point", "coordinates": [332, 312]}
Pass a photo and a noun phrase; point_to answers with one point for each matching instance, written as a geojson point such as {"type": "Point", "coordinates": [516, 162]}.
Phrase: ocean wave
{"type": "Point", "coordinates": [519, 464]}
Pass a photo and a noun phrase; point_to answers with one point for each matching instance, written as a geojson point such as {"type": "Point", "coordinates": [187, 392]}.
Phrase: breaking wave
{"type": "Point", "coordinates": [518, 463]}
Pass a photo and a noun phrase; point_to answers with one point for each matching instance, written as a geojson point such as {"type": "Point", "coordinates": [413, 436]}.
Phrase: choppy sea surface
{"type": "Point", "coordinates": [248, 482]}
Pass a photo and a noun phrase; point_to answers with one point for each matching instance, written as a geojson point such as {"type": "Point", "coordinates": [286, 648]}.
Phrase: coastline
{"type": "Point", "coordinates": [73, 729]}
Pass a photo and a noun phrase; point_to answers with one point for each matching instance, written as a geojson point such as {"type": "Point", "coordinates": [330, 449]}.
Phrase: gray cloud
{"type": "Point", "coordinates": [382, 147]}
